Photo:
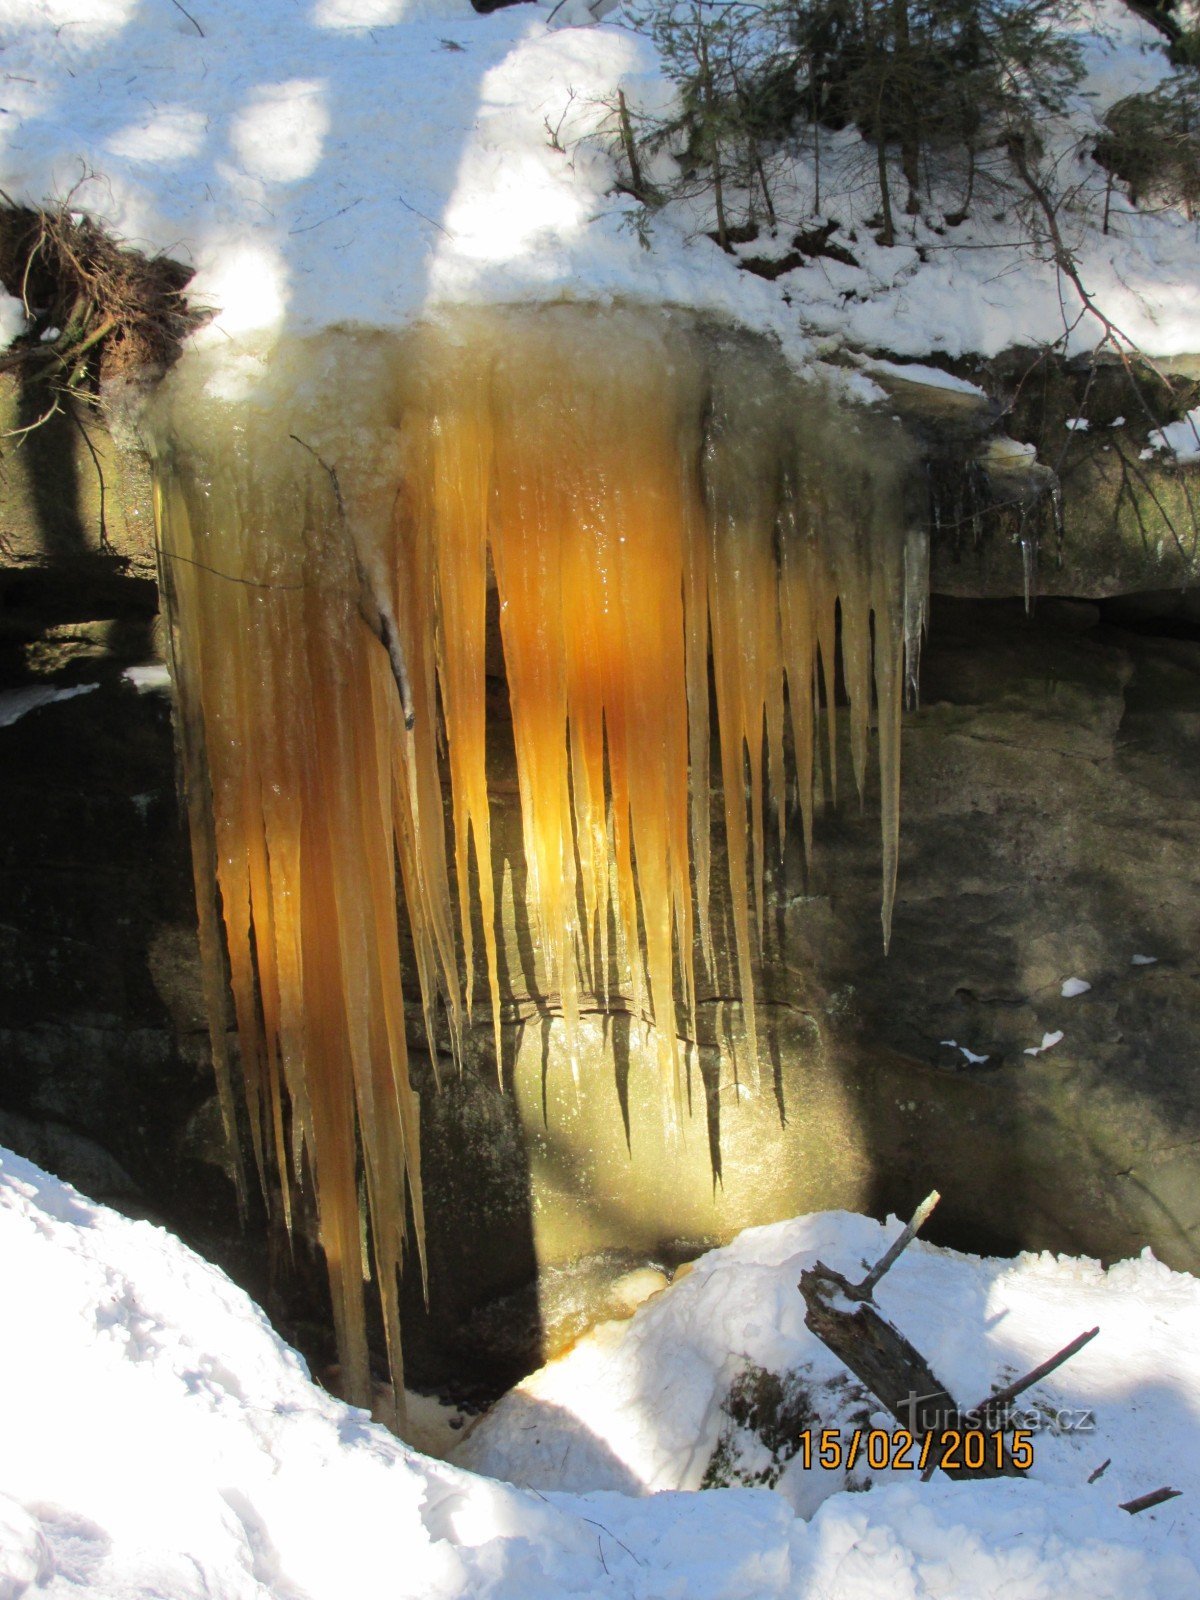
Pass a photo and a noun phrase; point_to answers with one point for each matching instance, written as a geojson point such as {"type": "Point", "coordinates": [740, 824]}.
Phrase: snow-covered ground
{"type": "Point", "coordinates": [159, 1441]}
{"type": "Point", "coordinates": [335, 161]}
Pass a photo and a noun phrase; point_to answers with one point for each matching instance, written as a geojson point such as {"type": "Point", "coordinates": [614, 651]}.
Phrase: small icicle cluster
{"type": "Point", "coordinates": [646, 495]}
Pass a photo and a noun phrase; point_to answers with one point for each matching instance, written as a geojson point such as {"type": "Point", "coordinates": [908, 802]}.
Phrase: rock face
{"type": "Point", "coordinates": [1050, 822]}
{"type": "Point", "coordinates": [1050, 828]}
{"type": "Point", "coordinates": [1130, 515]}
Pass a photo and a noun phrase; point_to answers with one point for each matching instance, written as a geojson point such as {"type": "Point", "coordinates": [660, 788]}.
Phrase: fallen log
{"type": "Point", "coordinates": [898, 1376]}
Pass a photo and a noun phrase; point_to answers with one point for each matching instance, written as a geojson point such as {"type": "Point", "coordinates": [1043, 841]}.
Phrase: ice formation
{"type": "Point", "coordinates": [646, 493]}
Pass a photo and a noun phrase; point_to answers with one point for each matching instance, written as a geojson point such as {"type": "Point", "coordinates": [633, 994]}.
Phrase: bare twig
{"type": "Point", "coordinates": [332, 471]}
{"type": "Point", "coordinates": [1001, 1397]}
{"type": "Point", "coordinates": [554, 133]}
{"type": "Point", "coordinates": [228, 577]}
{"type": "Point", "coordinates": [373, 605]}
{"type": "Point", "coordinates": [78, 421]}
{"type": "Point", "coordinates": [865, 1289]}
{"type": "Point", "coordinates": [189, 16]}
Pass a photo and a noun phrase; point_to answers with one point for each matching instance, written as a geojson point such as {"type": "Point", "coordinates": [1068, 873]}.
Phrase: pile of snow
{"type": "Point", "coordinates": [160, 1440]}
{"type": "Point", "coordinates": [640, 1406]}
{"type": "Point", "coordinates": [1180, 439]}
{"type": "Point", "coordinates": [325, 162]}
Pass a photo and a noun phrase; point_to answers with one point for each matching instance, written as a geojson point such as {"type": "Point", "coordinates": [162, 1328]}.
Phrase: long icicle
{"type": "Point", "coordinates": [649, 497]}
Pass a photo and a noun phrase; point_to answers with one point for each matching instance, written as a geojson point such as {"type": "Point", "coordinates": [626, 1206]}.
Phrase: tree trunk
{"type": "Point", "coordinates": [711, 136]}
{"type": "Point", "coordinates": [910, 127]}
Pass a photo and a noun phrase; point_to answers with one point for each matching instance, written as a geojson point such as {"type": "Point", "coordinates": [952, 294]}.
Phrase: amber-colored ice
{"type": "Point", "coordinates": [647, 496]}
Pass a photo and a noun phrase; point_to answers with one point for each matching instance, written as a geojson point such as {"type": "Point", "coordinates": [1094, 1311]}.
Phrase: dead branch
{"type": "Point", "coordinates": [1114, 336]}
{"type": "Point", "coordinates": [1156, 1497]}
{"type": "Point", "coordinates": [1063, 259]}
{"type": "Point", "coordinates": [999, 1398]}
{"type": "Point", "coordinates": [630, 147]}
{"type": "Point", "coordinates": [189, 16]}
{"type": "Point", "coordinates": [865, 1289]}
{"type": "Point", "coordinates": [846, 1321]}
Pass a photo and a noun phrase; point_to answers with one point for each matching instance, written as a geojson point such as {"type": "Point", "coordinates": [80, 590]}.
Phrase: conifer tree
{"type": "Point", "coordinates": [916, 78]}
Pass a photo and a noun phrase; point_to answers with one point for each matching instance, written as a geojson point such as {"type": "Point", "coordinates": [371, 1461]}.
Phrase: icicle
{"type": "Point", "coordinates": [916, 610]}
{"type": "Point", "coordinates": [651, 496]}
{"type": "Point", "coordinates": [1027, 538]}
{"type": "Point", "coordinates": [1056, 518]}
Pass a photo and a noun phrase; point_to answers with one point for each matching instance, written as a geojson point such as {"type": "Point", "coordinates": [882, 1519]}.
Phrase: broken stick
{"type": "Point", "coordinates": [865, 1289]}
{"type": "Point", "coordinates": [1000, 1397]}
{"type": "Point", "coordinates": [1156, 1497]}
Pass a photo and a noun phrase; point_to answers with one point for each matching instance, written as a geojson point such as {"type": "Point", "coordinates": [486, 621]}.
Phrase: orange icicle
{"type": "Point", "coordinates": [652, 496]}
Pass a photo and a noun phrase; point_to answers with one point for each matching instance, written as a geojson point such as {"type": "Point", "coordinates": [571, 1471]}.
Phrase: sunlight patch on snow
{"type": "Point", "coordinates": [88, 18]}
{"type": "Point", "coordinates": [509, 215]}
{"type": "Point", "coordinates": [1123, 53]}
{"type": "Point", "coordinates": [515, 199]}
{"type": "Point", "coordinates": [249, 282]}
{"type": "Point", "coordinates": [345, 15]}
{"type": "Point", "coordinates": [170, 133]}
{"type": "Point", "coordinates": [280, 135]}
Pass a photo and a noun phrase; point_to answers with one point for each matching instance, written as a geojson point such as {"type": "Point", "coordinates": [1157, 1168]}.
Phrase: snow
{"type": "Point", "coordinates": [973, 1059]}
{"type": "Point", "coordinates": [349, 161]}
{"type": "Point", "coordinates": [154, 675]}
{"type": "Point", "coordinates": [1049, 1040]}
{"type": "Point", "coordinates": [1143, 961]}
{"type": "Point", "coordinates": [12, 319]}
{"type": "Point", "coordinates": [364, 161]}
{"type": "Point", "coordinates": [1180, 439]}
{"type": "Point", "coordinates": [929, 377]}
{"type": "Point", "coordinates": [1074, 986]}
{"type": "Point", "coordinates": [24, 1555]}
{"type": "Point", "coordinates": [160, 1440]}
{"type": "Point", "coordinates": [18, 703]}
